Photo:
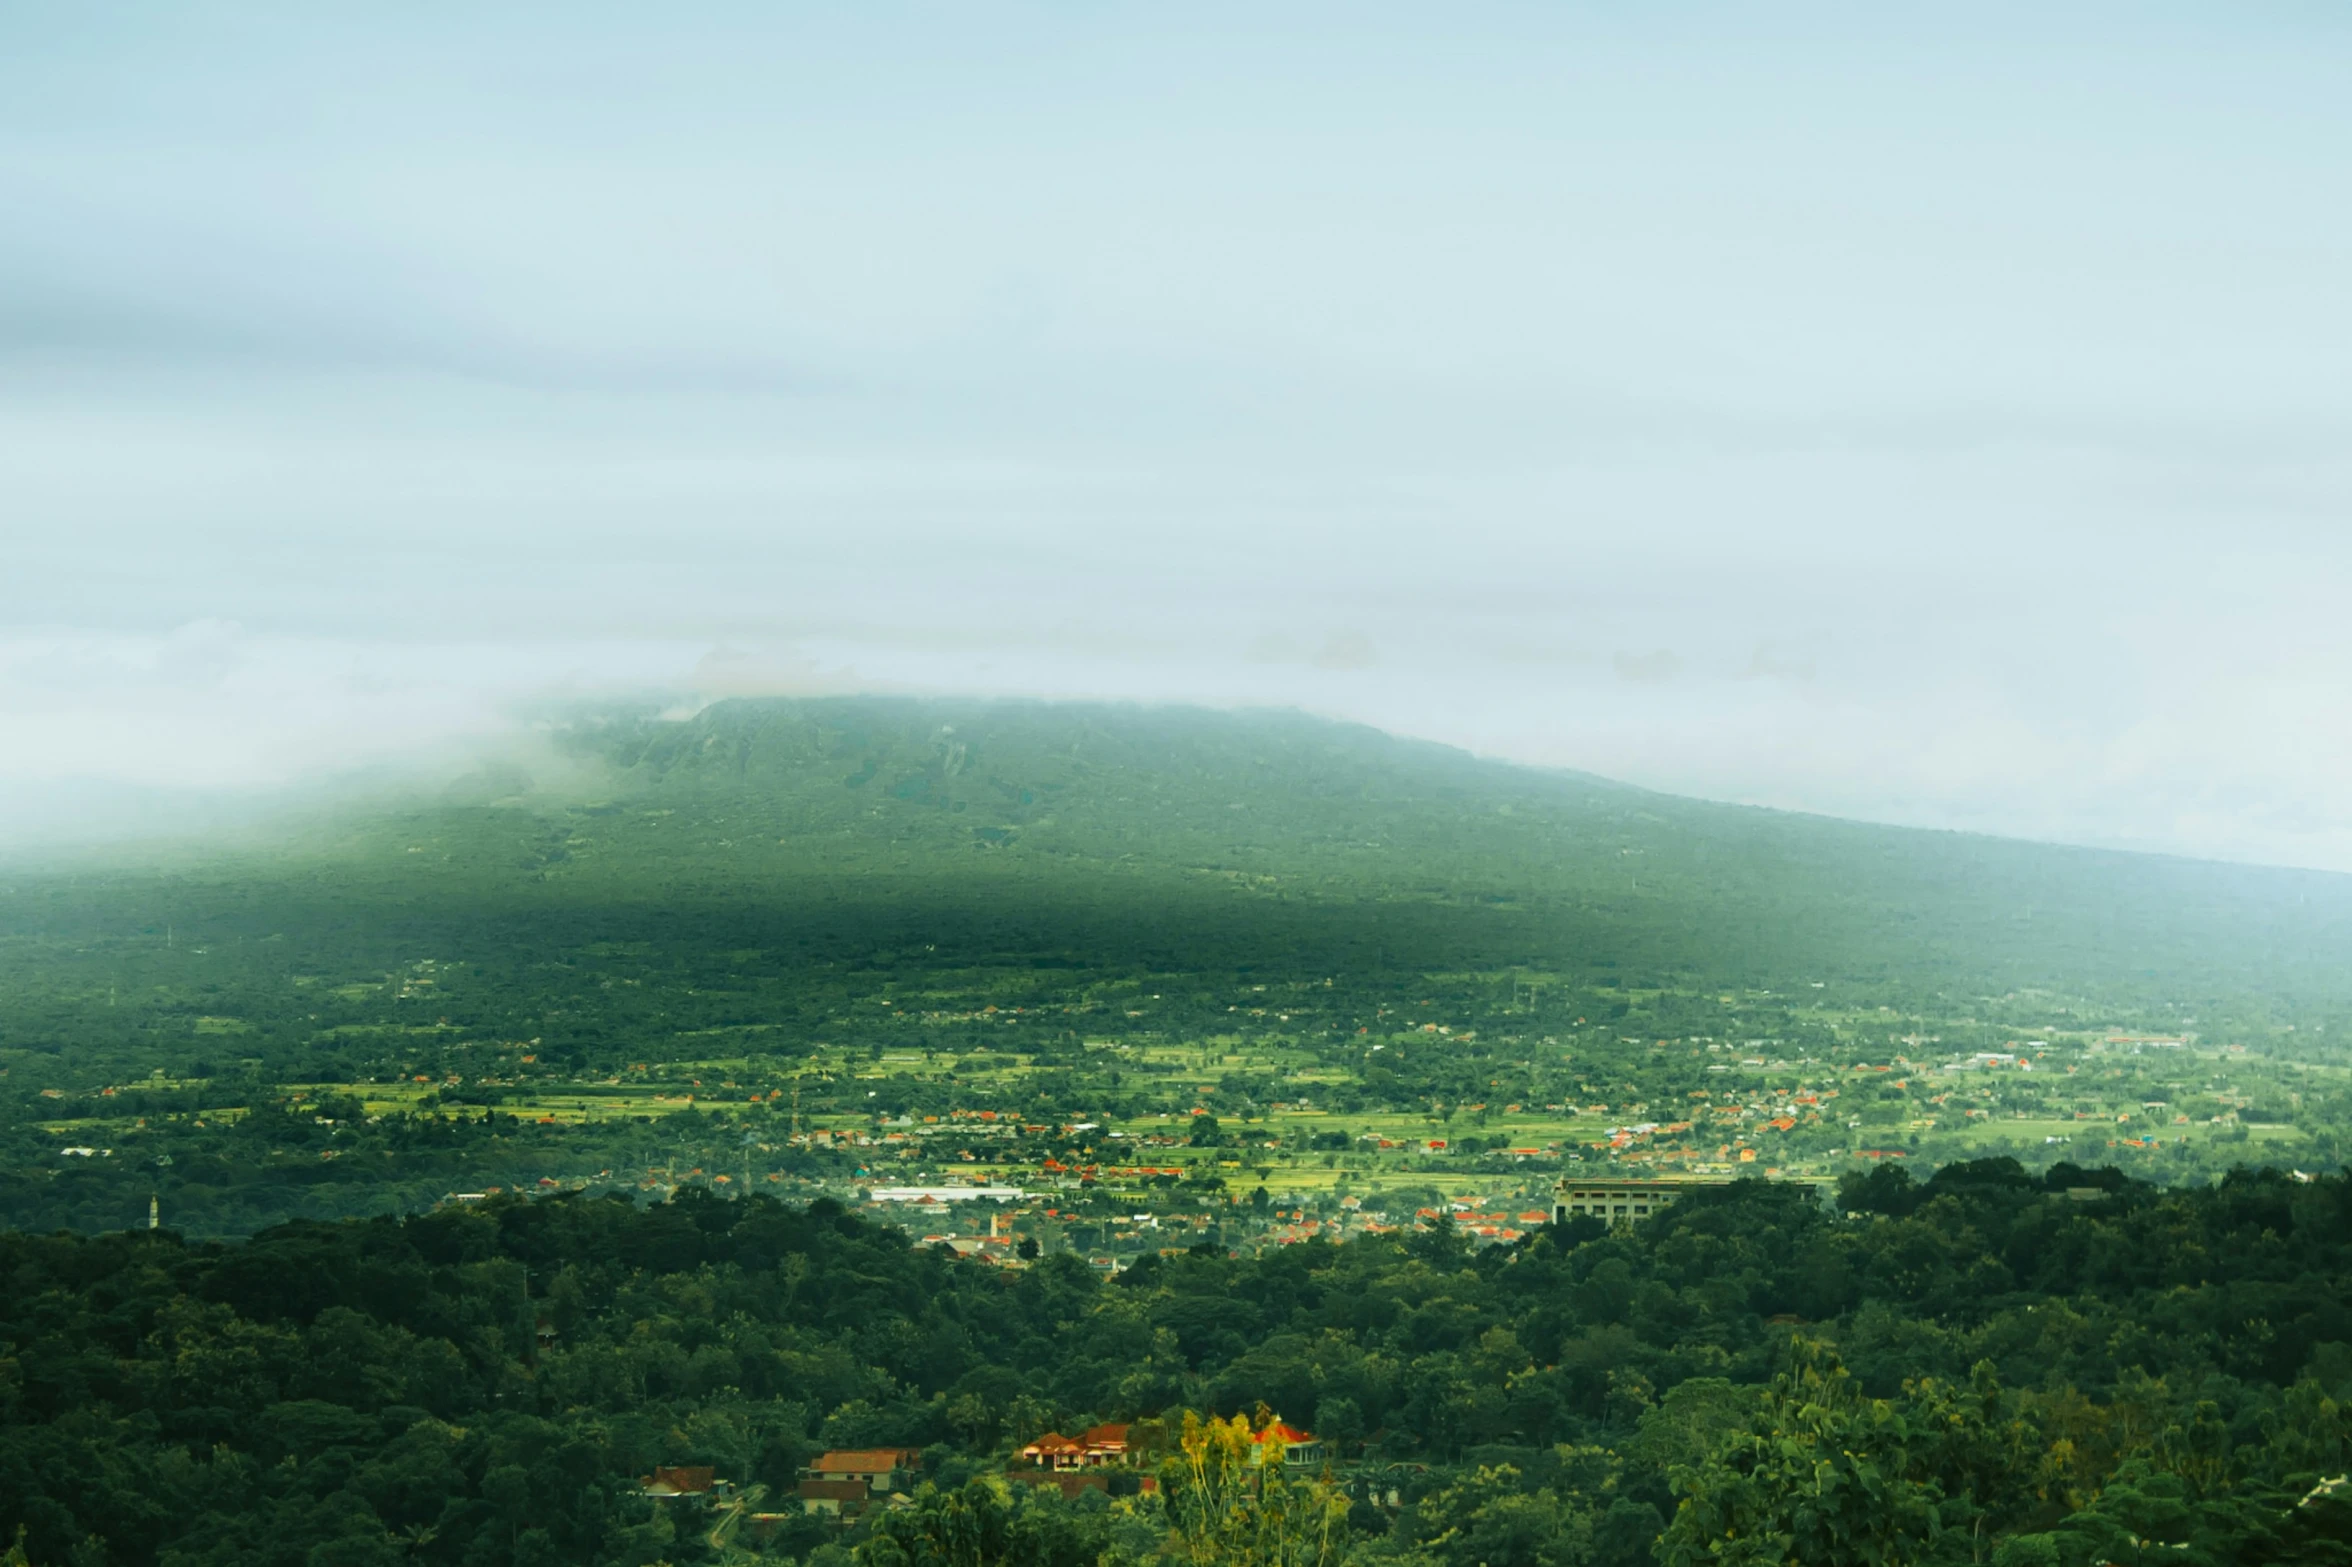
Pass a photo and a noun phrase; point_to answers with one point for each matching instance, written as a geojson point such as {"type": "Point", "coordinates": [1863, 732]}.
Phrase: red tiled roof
{"type": "Point", "coordinates": [833, 1490]}
{"type": "Point", "coordinates": [869, 1460]}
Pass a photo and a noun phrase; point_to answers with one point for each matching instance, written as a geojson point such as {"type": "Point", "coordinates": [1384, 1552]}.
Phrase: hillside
{"type": "Point", "coordinates": [845, 908]}
{"type": "Point", "coordinates": [1581, 873]}
{"type": "Point", "coordinates": [771, 849]}
{"type": "Point", "coordinates": [1035, 818]}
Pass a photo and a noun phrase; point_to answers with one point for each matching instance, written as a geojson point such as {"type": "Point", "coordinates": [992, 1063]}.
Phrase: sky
{"type": "Point", "coordinates": [1931, 414]}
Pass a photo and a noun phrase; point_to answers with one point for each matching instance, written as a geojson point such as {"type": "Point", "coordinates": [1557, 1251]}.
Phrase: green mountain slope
{"type": "Point", "coordinates": [1052, 807]}
{"type": "Point", "coordinates": [771, 851]}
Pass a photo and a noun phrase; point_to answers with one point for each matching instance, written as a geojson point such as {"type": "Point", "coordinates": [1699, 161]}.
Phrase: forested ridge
{"type": "Point", "coordinates": [1988, 1366]}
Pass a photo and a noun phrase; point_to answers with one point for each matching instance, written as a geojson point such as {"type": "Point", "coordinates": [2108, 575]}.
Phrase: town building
{"type": "Point", "coordinates": [1618, 1202]}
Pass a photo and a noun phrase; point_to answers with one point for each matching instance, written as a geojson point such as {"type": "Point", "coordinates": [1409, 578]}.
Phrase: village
{"type": "Point", "coordinates": [1133, 1147]}
{"type": "Point", "coordinates": [1006, 1187]}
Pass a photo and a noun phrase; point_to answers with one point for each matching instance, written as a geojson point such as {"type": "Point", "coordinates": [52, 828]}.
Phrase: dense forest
{"type": "Point", "coordinates": [1986, 1367]}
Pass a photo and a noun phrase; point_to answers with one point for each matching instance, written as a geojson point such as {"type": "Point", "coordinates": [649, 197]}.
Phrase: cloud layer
{"type": "Point", "coordinates": [1893, 420]}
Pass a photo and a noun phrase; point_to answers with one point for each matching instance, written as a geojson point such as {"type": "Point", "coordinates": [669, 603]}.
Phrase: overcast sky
{"type": "Point", "coordinates": [1936, 414]}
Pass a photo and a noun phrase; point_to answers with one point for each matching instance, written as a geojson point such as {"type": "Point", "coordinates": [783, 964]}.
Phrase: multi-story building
{"type": "Point", "coordinates": [1617, 1202]}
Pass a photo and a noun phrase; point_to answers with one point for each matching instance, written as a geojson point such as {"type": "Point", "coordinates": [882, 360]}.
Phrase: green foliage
{"type": "Point", "coordinates": [324, 1392]}
{"type": "Point", "coordinates": [981, 1524]}
{"type": "Point", "coordinates": [1230, 1504]}
{"type": "Point", "coordinates": [1488, 1518]}
{"type": "Point", "coordinates": [1821, 1474]}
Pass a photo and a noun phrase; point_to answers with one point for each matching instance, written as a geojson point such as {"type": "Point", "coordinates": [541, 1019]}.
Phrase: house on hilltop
{"type": "Point", "coordinates": [1055, 1451]}
{"type": "Point", "coordinates": [877, 1468]}
{"type": "Point", "coordinates": [845, 1480]}
{"type": "Point", "coordinates": [680, 1480]}
{"type": "Point", "coordinates": [1095, 1448]}
{"type": "Point", "coordinates": [834, 1497]}
{"type": "Point", "coordinates": [1287, 1444]}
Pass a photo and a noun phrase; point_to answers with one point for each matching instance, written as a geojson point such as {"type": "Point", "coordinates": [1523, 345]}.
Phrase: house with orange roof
{"type": "Point", "coordinates": [1280, 1443]}
{"type": "Point", "coordinates": [1055, 1451]}
{"type": "Point", "coordinates": [878, 1468]}
{"type": "Point", "coordinates": [1105, 1444]}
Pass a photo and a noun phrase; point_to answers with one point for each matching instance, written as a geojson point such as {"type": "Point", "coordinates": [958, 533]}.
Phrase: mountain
{"type": "Point", "coordinates": [773, 862]}
{"type": "Point", "coordinates": [1295, 818]}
